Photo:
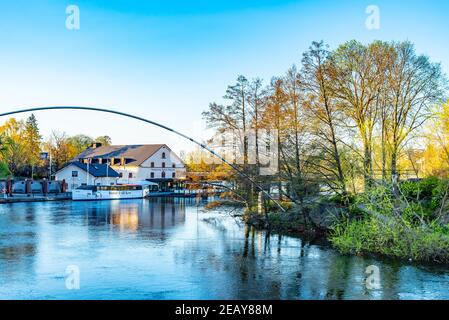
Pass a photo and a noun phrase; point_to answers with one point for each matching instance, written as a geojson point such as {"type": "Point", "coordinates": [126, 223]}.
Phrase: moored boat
{"type": "Point", "coordinates": [112, 192]}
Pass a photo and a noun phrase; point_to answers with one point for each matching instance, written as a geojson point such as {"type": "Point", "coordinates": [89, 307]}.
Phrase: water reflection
{"type": "Point", "coordinates": [17, 244]}
{"type": "Point", "coordinates": [166, 248]}
{"type": "Point", "coordinates": [127, 215]}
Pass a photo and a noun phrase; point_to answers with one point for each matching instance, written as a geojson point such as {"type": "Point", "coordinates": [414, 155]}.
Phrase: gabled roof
{"type": "Point", "coordinates": [95, 169]}
{"type": "Point", "coordinates": [136, 154]}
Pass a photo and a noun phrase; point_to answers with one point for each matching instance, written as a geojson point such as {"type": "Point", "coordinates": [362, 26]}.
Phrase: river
{"type": "Point", "coordinates": [166, 248]}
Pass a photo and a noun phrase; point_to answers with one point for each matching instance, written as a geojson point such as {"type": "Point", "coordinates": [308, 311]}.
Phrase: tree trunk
{"type": "Point", "coordinates": [298, 163]}
{"type": "Point", "coordinates": [394, 173]}
{"type": "Point", "coordinates": [333, 139]}
{"type": "Point", "coordinates": [367, 167]}
{"type": "Point", "coordinates": [245, 138]}
{"type": "Point", "coordinates": [384, 156]}
{"type": "Point", "coordinates": [279, 161]}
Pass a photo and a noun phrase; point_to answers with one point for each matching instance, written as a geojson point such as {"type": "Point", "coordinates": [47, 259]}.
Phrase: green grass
{"type": "Point", "coordinates": [406, 227]}
{"type": "Point", "coordinates": [392, 238]}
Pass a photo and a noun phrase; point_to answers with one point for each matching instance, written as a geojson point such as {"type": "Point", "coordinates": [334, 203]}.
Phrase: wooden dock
{"type": "Point", "coordinates": [35, 198]}
{"type": "Point", "coordinates": [15, 198]}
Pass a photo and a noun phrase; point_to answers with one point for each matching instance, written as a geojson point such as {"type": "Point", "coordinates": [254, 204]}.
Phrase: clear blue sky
{"type": "Point", "coordinates": [166, 60]}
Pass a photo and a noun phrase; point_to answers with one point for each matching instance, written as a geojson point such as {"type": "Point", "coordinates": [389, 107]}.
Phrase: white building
{"type": "Point", "coordinates": [132, 163]}
{"type": "Point", "coordinates": [76, 174]}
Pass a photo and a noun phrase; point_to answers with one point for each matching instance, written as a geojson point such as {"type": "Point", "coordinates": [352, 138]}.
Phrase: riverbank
{"type": "Point", "coordinates": [309, 220]}
{"type": "Point", "coordinates": [35, 198]}
{"type": "Point", "coordinates": [411, 227]}
{"type": "Point", "coordinates": [366, 237]}
{"type": "Point", "coordinates": [392, 237]}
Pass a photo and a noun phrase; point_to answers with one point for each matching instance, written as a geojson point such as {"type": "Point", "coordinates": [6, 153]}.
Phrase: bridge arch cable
{"type": "Point", "coordinates": [203, 146]}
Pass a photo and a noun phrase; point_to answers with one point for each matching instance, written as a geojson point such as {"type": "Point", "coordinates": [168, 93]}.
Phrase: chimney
{"type": "Point", "coordinates": [95, 145]}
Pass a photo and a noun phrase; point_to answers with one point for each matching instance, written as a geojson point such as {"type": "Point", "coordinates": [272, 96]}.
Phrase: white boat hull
{"type": "Point", "coordinates": [108, 195]}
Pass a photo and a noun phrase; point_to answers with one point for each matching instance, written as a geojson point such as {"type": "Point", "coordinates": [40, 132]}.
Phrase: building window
{"type": "Point", "coordinates": [163, 164]}
{"type": "Point", "coordinates": [173, 175]}
{"type": "Point", "coordinates": [152, 164]}
{"type": "Point", "coordinates": [173, 165]}
{"type": "Point", "coordinates": [120, 174]}
{"type": "Point", "coordinates": [130, 175]}
{"type": "Point", "coordinates": [152, 175]}
{"type": "Point", "coordinates": [74, 174]}
{"type": "Point", "coordinates": [163, 174]}
{"type": "Point", "coordinates": [163, 155]}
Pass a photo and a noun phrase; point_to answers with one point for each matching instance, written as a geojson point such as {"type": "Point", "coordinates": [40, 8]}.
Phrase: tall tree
{"type": "Point", "coordinates": [14, 154]}
{"type": "Point", "coordinates": [61, 149]}
{"type": "Point", "coordinates": [275, 120]}
{"type": "Point", "coordinates": [32, 143]}
{"type": "Point", "coordinates": [233, 116]}
{"type": "Point", "coordinates": [79, 142]}
{"type": "Point", "coordinates": [104, 140]}
{"type": "Point", "coordinates": [238, 95]}
{"type": "Point", "coordinates": [4, 170]}
{"type": "Point", "coordinates": [257, 101]}
{"type": "Point", "coordinates": [415, 84]}
{"type": "Point", "coordinates": [357, 76]}
{"type": "Point", "coordinates": [323, 113]}
{"type": "Point", "coordinates": [293, 90]}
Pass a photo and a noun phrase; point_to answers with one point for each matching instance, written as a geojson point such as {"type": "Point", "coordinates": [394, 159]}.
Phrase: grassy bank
{"type": "Point", "coordinates": [392, 237]}
{"type": "Point", "coordinates": [412, 225]}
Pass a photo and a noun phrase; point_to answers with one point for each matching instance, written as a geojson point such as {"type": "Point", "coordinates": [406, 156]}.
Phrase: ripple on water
{"type": "Point", "coordinates": [166, 249]}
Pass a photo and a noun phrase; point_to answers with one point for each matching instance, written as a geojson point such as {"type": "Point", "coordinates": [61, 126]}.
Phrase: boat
{"type": "Point", "coordinates": [138, 190]}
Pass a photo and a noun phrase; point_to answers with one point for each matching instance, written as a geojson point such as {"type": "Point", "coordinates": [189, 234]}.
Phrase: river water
{"type": "Point", "coordinates": [167, 248]}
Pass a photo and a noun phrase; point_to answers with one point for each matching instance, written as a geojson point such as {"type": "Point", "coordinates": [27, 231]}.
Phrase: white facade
{"type": "Point", "coordinates": [75, 177]}
{"type": "Point", "coordinates": [163, 164]}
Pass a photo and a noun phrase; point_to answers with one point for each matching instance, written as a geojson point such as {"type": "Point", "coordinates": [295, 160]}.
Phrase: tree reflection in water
{"type": "Point", "coordinates": [166, 248]}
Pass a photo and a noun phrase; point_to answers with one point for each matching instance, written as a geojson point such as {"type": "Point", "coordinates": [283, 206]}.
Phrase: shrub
{"type": "Point", "coordinates": [392, 238]}
{"type": "Point", "coordinates": [403, 227]}
{"type": "Point", "coordinates": [421, 190]}
{"type": "Point", "coordinates": [4, 170]}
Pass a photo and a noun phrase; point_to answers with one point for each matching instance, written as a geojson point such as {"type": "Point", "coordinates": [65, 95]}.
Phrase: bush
{"type": "Point", "coordinates": [402, 227]}
{"type": "Point", "coordinates": [392, 238]}
{"type": "Point", "coordinates": [343, 200]}
{"type": "Point", "coordinates": [421, 190]}
{"type": "Point", "coordinates": [4, 170]}
{"type": "Point", "coordinates": [271, 206]}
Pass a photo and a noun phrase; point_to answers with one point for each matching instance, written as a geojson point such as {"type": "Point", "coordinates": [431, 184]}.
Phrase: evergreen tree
{"type": "Point", "coordinates": [32, 142]}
